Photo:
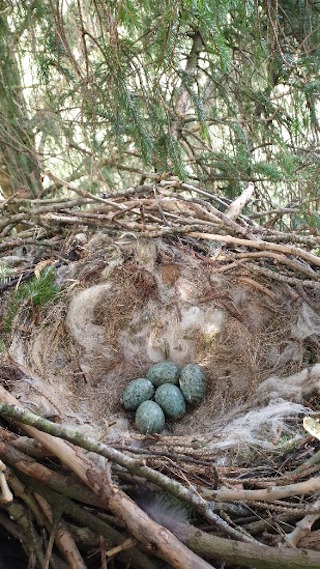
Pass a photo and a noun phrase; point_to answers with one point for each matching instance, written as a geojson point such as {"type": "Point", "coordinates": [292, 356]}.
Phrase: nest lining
{"type": "Point", "coordinates": [147, 308]}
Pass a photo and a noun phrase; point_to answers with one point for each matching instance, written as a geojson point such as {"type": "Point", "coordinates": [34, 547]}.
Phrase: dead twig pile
{"type": "Point", "coordinates": [171, 209]}
{"type": "Point", "coordinates": [238, 517]}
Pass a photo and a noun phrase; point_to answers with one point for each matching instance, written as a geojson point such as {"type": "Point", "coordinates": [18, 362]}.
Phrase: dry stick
{"type": "Point", "coordinates": [21, 536]}
{"type": "Point", "coordinates": [236, 553]}
{"type": "Point", "coordinates": [16, 532]}
{"type": "Point", "coordinates": [62, 484]}
{"type": "Point", "coordinates": [26, 206]}
{"type": "Point", "coordinates": [262, 245]}
{"type": "Point", "coordinates": [273, 275]}
{"type": "Point", "coordinates": [314, 459]}
{"type": "Point", "coordinates": [7, 496]}
{"type": "Point", "coordinates": [222, 202]}
{"type": "Point", "coordinates": [228, 221]}
{"type": "Point", "coordinates": [11, 220]}
{"type": "Point", "coordinates": [169, 184]}
{"type": "Point", "coordinates": [260, 287]}
{"type": "Point", "coordinates": [53, 480]}
{"type": "Point", "coordinates": [282, 210]}
{"type": "Point", "coordinates": [276, 520]}
{"type": "Point", "coordinates": [210, 210]}
{"type": "Point", "coordinates": [249, 555]}
{"type": "Point", "coordinates": [13, 243]}
{"type": "Point", "coordinates": [127, 544]}
{"type": "Point", "coordinates": [91, 220]}
{"type": "Point", "coordinates": [303, 527]}
{"type": "Point", "coordinates": [164, 544]}
{"type": "Point", "coordinates": [134, 466]}
{"type": "Point", "coordinates": [62, 536]}
{"type": "Point", "coordinates": [24, 494]}
{"type": "Point", "coordinates": [82, 516]}
{"type": "Point", "coordinates": [21, 492]}
{"type": "Point", "coordinates": [82, 193]}
{"type": "Point", "coordinates": [23, 443]}
{"type": "Point", "coordinates": [269, 494]}
{"type": "Point", "coordinates": [20, 514]}
{"type": "Point", "coordinates": [162, 453]}
{"type": "Point", "coordinates": [203, 213]}
{"type": "Point", "coordinates": [236, 207]}
{"type": "Point", "coordinates": [103, 557]}
{"type": "Point", "coordinates": [52, 531]}
{"type": "Point", "coordinates": [294, 265]}
{"type": "Point", "coordinates": [278, 236]}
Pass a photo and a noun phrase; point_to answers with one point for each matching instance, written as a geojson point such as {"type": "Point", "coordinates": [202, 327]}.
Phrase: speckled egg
{"type": "Point", "coordinates": [136, 392]}
{"type": "Point", "coordinates": [170, 398]}
{"type": "Point", "coordinates": [150, 418]}
{"type": "Point", "coordinates": [193, 383]}
{"type": "Point", "coordinates": [163, 372]}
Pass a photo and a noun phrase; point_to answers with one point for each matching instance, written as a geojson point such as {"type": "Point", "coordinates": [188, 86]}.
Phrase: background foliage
{"type": "Point", "coordinates": [110, 93]}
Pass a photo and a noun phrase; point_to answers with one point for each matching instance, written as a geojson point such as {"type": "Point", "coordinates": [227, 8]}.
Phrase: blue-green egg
{"type": "Point", "coordinates": [150, 418]}
{"type": "Point", "coordinates": [163, 372]}
{"type": "Point", "coordinates": [193, 383]}
{"type": "Point", "coordinates": [137, 391]}
{"type": "Point", "coordinates": [170, 398]}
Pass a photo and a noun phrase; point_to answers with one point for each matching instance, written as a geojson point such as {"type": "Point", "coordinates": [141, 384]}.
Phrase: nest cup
{"type": "Point", "coordinates": [134, 311]}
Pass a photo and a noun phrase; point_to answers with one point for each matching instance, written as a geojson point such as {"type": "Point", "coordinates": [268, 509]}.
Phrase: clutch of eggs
{"type": "Point", "coordinates": [171, 388]}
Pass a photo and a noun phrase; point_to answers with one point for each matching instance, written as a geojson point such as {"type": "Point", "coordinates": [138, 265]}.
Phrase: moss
{"type": "Point", "coordinates": [36, 292]}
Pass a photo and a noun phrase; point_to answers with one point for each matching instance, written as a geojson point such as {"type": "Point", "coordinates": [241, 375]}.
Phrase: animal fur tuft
{"type": "Point", "coordinates": [161, 509]}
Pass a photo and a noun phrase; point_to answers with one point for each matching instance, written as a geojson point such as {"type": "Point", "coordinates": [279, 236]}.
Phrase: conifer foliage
{"type": "Point", "coordinates": [218, 92]}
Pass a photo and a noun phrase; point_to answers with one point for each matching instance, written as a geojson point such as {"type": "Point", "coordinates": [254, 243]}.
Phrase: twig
{"type": "Point", "coordinates": [129, 463]}
{"type": "Point", "coordinates": [277, 276]}
{"type": "Point", "coordinates": [127, 544]}
{"type": "Point", "coordinates": [268, 494]}
{"type": "Point", "coordinates": [240, 202]}
{"type": "Point", "coordinates": [7, 496]}
{"type": "Point", "coordinates": [314, 459]}
{"type": "Point", "coordinates": [293, 265]}
{"type": "Point", "coordinates": [62, 536]}
{"type": "Point", "coordinates": [261, 245]}
{"type": "Point", "coordinates": [251, 555]}
{"type": "Point", "coordinates": [165, 544]}
{"type": "Point", "coordinates": [23, 493]}
{"type": "Point", "coordinates": [259, 287]}
{"type": "Point", "coordinates": [83, 517]}
{"type": "Point", "coordinates": [44, 475]}
{"type": "Point", "coordinates": [303, 527]}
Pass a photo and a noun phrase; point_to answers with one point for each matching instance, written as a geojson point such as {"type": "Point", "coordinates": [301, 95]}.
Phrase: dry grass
{"type": "Point", "coordinates": [184, 311]}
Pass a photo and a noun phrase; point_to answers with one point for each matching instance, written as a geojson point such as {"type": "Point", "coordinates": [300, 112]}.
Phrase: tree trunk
{"type": "Point", "coordinates": [19, 166]}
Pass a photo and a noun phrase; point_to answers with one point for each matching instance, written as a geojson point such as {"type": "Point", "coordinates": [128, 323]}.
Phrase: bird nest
{"type": "Point", "coordinates": [120, 302]}
{"type": "Point", "coordinates": [157, 302]}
